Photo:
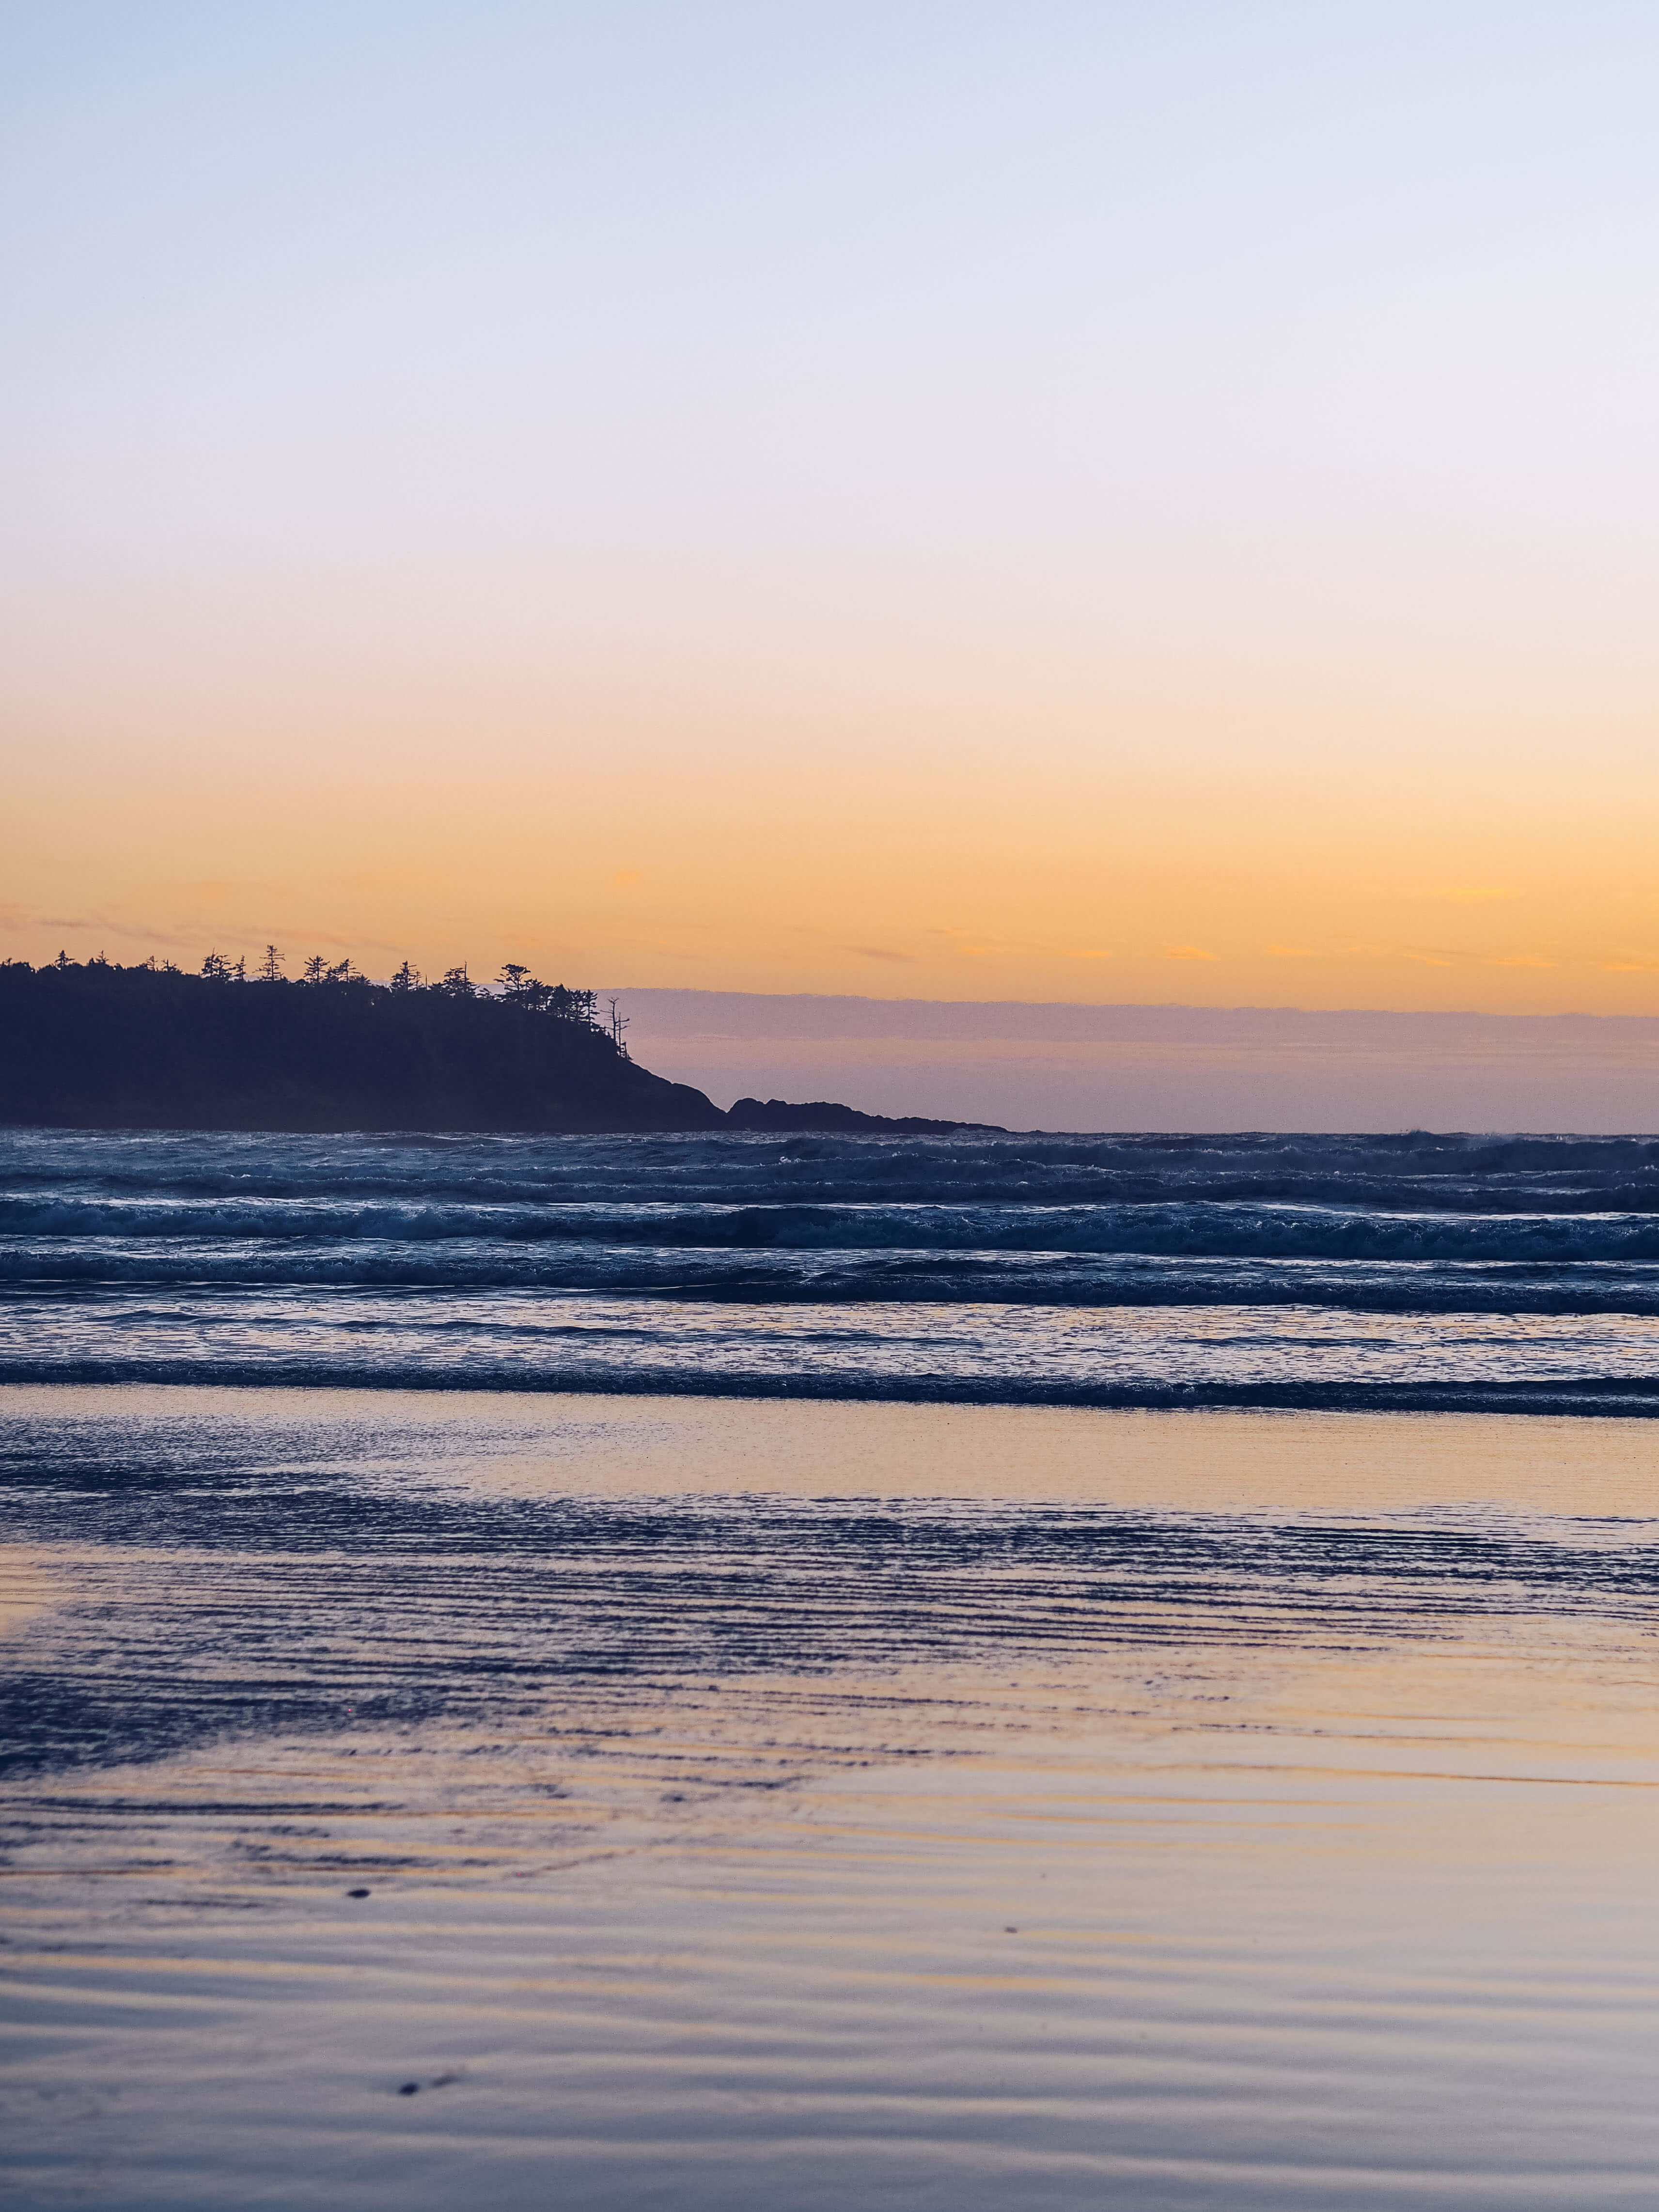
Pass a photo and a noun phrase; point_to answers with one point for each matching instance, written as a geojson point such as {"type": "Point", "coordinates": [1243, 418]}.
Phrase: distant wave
{"type": "Point", "coordinates": [1199, 1229]}
{"type": "Point", "coordinates": [781, 1274]}
{"type": "Point", "coordinates": [1413, 1174]}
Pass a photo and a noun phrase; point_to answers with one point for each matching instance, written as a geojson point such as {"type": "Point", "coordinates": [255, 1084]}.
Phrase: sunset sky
{"type": "Point", "coordinates": [1103, 503]}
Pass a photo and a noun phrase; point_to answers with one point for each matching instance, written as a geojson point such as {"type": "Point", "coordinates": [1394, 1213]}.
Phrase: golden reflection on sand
{"type": "Point", "coordinates": [28, 1585]}
{"type": "Point", "coordinates": [542, 1444]}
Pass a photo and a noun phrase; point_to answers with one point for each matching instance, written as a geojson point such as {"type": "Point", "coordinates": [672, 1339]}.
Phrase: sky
{"type": "Point", "coordinates": [1111, 504]}
{"type": "Point", "coordinates": [1021, 1065]}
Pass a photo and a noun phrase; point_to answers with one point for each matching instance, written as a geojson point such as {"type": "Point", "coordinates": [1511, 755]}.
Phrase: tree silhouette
{"type": "Point", "coordinates": [515, 988]}
{"type": "Point", "coordinates": [96, 1045]}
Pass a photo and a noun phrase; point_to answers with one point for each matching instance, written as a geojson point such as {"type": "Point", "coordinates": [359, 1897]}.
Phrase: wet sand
{"type": "Point", "coordinates": [829, 1805]}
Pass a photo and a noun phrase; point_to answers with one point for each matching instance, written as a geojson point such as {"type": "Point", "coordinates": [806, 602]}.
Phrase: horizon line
{"type": "Point", "coordinates": [1125, 1006]}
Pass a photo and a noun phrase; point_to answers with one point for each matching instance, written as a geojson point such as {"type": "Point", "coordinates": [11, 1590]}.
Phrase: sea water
{"type": "Point", "coordinates": [1318, 1271]}
{"type": "Point", "coordinates": [778, 1777]}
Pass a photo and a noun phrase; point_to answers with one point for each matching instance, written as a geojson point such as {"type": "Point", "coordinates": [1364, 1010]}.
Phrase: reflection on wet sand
{"type": "Point", "coordinates": [1185, 1810]}
{"type": "Point", "coordinates": [27, 1586]}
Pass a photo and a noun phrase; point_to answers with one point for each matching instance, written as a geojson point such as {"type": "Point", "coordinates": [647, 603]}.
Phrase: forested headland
{"type": "Point", "coordinates": [94, 1045]}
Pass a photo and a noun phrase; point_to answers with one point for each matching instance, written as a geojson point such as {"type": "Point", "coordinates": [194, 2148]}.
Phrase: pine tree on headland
{"type": "Point", "coordinates": [407, 978]}
{"type": "Point", "coordinates": [270, 968]}
{"type": "Point", "coordinates": [315, 969]}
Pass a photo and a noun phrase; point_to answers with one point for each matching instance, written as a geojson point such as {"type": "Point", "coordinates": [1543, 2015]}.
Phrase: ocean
{"type": "Point", "coordinates": [1014, 1673]}
{"type": "Point", "coordinates": [1415, 1271]}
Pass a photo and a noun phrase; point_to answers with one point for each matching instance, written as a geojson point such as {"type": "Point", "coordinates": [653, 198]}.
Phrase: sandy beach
{"type": "Point", "coordinates": [832, 1805]}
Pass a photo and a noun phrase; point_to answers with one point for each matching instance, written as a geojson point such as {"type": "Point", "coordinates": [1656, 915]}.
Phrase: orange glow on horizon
{"type": "Point", "coordinates": [1145, 865]}
{"type": "Point", "coordinates": [1096, 505]}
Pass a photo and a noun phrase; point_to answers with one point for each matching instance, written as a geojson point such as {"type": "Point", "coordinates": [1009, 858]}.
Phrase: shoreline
{"type": "Point", "coordinates": [1589, 1398]}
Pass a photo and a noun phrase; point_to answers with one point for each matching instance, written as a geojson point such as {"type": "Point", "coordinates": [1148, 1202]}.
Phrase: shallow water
{"type": "Point", "coordinates": [830, 1805]}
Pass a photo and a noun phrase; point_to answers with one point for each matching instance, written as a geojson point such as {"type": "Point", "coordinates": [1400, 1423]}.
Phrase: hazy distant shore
{"type": "Point", "coordinates": [1062, 1066]}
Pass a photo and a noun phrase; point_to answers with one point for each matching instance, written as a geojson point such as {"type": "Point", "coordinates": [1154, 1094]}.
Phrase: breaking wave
{"type": "Point", "coordinates": [1201, 1229]}
{"type": "Point", "coordinates": [1532, 1263]}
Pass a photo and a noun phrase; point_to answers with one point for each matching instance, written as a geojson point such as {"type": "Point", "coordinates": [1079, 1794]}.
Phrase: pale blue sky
{"type": "Point", "coordinates": [317, 283]}
{"type": "Point", "coordinates": [1264, 390]}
